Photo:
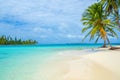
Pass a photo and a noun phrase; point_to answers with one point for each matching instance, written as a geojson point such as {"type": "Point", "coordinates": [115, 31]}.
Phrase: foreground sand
{"type": "Point", "coordinates": [97, 64]}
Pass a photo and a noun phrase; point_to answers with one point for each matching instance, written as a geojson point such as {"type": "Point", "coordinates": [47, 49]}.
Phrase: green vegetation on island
{"type": "Point", "coordinates": [8, 40]}
{"type": "Point", "coordinates": [101, 19]}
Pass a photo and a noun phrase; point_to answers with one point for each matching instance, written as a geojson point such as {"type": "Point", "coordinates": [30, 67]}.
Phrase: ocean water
{"type": "Point", "coordinates": [23, 62]}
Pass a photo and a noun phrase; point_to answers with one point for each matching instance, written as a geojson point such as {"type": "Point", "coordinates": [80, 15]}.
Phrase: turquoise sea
{"type": "Point", "coordinates": [22, 62]}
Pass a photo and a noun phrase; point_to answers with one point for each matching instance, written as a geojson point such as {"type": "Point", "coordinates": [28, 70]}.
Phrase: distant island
{"type": "Point", "coordinates": [8, 40]}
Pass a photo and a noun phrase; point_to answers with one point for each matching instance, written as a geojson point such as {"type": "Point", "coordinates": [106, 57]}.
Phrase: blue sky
{"type": "Point", "coordinates": [47, 21]}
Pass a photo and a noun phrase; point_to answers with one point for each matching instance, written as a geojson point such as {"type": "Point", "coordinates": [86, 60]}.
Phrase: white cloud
{"type": "Point", "coordinates": [43, 18]}
{"type": "Point", "coordinates": [76, 36]}
{"type": "Point", "coordinates": [40, 10]}
{"type": "Point", "coordinates": [41, 30]}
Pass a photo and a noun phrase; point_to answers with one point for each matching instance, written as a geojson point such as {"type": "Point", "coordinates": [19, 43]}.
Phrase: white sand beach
{"type": "Point", "coordinates": [90, 64]}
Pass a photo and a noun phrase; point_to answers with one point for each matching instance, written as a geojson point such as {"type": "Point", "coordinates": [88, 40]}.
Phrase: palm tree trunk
{"type": "Point", "coordinates": [104, 45]}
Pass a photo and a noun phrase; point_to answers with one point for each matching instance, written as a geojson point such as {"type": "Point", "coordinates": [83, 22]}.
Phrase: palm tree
{"type": "Point", "coordinates": [112, 7]}
{"type": "Point", "coordinates": [95, 20]}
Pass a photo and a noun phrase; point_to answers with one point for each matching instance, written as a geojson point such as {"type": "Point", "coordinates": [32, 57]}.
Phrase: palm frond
{"type": "Point", "coordinates": [97, 39]}
{"type": "Point", "coordinates": [112, 32]}
{"type": "Point", "coordinates": [86, 36]}
{"type": "Point", "coordinates": [86, 28]}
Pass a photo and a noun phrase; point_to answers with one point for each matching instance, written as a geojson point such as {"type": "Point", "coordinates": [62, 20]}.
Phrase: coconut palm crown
{"type": "Point", "coordinates": [112, 7]}
{"type": "Point", "coordinates": [96, 22]}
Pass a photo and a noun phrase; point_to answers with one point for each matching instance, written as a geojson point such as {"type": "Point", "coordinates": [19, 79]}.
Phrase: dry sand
{"type": "Point", "coordinates": [97, 64]}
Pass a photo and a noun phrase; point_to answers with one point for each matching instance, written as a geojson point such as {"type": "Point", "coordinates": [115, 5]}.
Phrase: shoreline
{"type": "Point", "coordinates": [62, 64]}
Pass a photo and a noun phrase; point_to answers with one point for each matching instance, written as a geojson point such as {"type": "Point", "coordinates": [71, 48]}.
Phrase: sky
{"type": "Point", "coordinates": [47, 21]}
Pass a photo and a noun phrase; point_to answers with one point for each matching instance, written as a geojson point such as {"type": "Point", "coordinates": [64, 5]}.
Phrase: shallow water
{"type": "Point", "coordinates": [28, 62]}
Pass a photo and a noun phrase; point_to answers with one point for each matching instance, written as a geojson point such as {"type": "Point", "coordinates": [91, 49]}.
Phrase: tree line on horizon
{"type": "Point", "coordinates": [8, 40]}
{"type": "Point", "coordinates": [102, 20]}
